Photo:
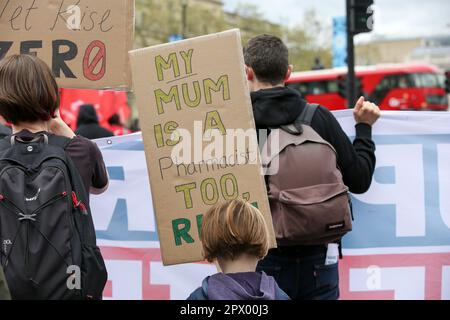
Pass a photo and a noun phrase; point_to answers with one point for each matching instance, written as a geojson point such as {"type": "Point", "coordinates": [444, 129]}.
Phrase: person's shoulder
{"type": "Point", "coordinates": [81, 141]}
{"type": "Point", "coordinates": [324, 111]}
{"type": "Point", "coordinates": [323, 118]}
{"type": "Point", "coordinates": [4, 130]}
{"type": "Point", "coordinates": [198, 294]}
{"type": "Point", "coordinates": [281, 295]}
{"type": "Point", "coordinates": [80, 144]}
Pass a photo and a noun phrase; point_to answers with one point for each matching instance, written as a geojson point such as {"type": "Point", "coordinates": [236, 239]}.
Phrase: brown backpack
{"type": "Point", "coordinates": [309, 202]}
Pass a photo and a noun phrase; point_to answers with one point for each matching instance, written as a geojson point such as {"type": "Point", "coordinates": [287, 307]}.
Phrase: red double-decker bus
{"type": "Point", "coordinates": [392, 87]}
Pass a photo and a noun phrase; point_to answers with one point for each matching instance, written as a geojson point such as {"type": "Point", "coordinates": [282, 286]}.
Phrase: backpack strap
{"type": "Point", "coordinates": [52, 139]}
{"type": "Point", "coordinates": [84, 223]}
{"type": "Point", "coordinates": [305, 118]}
{"type": "Point", "coordinates": [307, 114]}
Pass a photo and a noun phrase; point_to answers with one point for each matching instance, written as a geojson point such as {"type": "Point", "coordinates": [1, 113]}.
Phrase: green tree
{"type": "Point", "coordinates": [156, 20]}
{"type": "Point", "coordinates": [248, 19]}
{"type": "Point", "coordinates": [309, 40]}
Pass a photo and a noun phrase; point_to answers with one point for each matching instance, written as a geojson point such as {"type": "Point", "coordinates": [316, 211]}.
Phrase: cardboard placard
{"type": "Point", "coordinates": [85, 42]}
{"type": "Point", "coordinates": [192, 95]}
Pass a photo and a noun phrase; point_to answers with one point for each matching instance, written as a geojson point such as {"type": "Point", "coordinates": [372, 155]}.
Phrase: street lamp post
{"type": "Point", "coordinates": [184, 8]}
{"type": "Point", "coordinates": [351, 95]}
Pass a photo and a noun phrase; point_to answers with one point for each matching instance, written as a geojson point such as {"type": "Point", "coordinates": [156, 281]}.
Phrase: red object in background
{"type": "Point", "coordinates": [106, 102]}
{"type": "Point", "coordinates": [119, 130]}
{"type": "Point", "coordinates": [392, 87]}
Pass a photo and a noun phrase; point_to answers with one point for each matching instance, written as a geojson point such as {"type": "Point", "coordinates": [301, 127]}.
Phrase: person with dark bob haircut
{"type": "Point", "coordinates": [47, 173]}
{"type": "Point", "coordinates": [29, 100]}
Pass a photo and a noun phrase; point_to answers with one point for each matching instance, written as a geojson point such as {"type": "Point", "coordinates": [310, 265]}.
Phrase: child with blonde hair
{"type": "Point", "coordinates": [235, 235]}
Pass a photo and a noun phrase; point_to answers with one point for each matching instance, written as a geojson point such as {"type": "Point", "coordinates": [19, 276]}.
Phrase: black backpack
{"type": "Point", "coordinates": [47, 236]}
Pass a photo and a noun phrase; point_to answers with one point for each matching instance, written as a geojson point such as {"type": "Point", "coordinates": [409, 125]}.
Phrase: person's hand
{"type": "Point", "coordinates": [56, 123]}
{"type": "Point", "coordinates": [59, 127]}
{"type": "Point", "coordinates": [366, 112]}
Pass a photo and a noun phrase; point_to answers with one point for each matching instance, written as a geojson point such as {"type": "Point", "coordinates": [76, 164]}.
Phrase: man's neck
{"type": "Point", "coordinates": [256, 86]}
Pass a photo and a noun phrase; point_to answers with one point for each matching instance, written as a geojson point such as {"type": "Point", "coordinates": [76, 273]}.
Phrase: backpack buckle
{"type": "Point", "coordinates": [24, 217]}
{"type": "Point", "coordinates": [295, 129]}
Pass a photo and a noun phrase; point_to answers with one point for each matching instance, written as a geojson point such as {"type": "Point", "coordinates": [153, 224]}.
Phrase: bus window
{"type": "Point", "coordinates": [427, 80]}
{"type": "Point", "coordinates": [315, 88]}
{"type": "Point", "coordinates": [403, 82]}
{"type": "Point", "coordinates": [388, 83]}
{"type": "Point", "coordinates": [380, 91]}
{"type": "Point", "coordinates": [441, 80]}
{"type": "Point", "coordinates": [303, 88]}
{"type": "Point", "coordinates": [333, 86]}
{"type": "Point", "coordinates": [319, 87]}
{"type": "Point", "coordinates": [300, 87]}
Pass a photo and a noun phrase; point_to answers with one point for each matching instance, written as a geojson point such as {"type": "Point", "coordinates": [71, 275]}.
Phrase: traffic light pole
{"type": "Point", "coordinates": [351, 96]}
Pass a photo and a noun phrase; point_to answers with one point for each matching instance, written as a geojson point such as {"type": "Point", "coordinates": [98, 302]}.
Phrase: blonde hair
{"type": "Point", "coordinates": [233, 228]}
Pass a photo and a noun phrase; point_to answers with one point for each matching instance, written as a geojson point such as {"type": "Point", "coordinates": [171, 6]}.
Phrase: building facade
{"type": "Point", "coordinates": [432, 50]}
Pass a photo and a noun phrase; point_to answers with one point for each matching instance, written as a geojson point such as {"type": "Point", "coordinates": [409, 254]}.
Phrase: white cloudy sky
{"type": "Point", "coordinates": [393, 18]}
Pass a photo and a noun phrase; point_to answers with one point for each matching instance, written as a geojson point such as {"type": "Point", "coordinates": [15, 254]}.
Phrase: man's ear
{"type": "Point", "coordinates": [250, 73]}
{"type": "Point", "coordinates": [289, 72]}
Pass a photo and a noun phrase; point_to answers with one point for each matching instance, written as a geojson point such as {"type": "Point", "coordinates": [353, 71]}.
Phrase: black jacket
{"type": "Point", "coordinates": [4, 131]}
{"type": "Point", "coordinates": [88, 126]}
{"type": "Point", "coordinates": [4, 291]}
{"type": "Point", "coordinates": [282, 106]}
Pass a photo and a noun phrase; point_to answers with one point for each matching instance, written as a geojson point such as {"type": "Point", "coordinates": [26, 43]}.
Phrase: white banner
{"type": "Point", "coordinates": [399, 247]}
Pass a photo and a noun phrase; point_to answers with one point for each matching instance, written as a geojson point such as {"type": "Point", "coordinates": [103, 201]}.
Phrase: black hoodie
{"type": "Point", "coordinates": [282, 106]}
{"type": "Point", "coordinates": [87, 124]}
{"type": "Point", "coordinates": [4, 131]}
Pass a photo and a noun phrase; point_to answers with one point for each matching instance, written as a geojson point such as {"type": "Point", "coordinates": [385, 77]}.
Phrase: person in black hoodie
{"type": "Point", "coordinates": [300, 270]}
{"type": "Point", "coordinates": [88, 126]}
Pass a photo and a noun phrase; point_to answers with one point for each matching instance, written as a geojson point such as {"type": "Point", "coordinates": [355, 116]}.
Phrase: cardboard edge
{"type": "Point", "coordinates": [135, 54]}
{"type": "Point", "coordinates": [186, 41]}
{"type": "Point", "coordinates": [130, 22]}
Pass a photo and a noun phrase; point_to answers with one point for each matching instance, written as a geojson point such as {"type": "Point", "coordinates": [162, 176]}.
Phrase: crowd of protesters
{"type": "Point", "coordinates": [88, 125]}
{"type": "Point", "coordinates": [234, 234]}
